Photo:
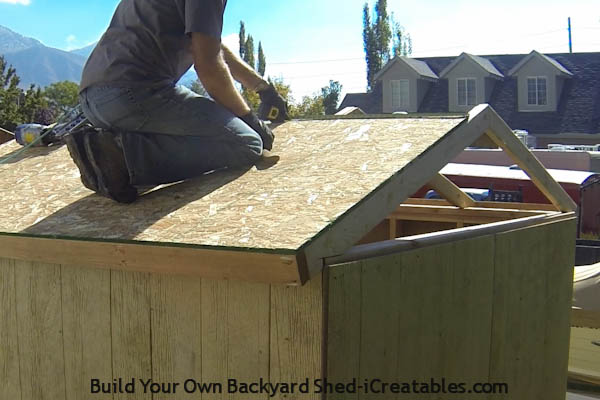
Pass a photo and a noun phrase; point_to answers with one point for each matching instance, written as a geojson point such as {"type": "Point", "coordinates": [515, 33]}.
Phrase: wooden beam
{"type": "Point", "coordinates": [504, 137]}
{"type": "Point", "coordinates": [203, 262]}
{"type": "Point", "coordinates": [485, 204]}
{"type": "Point", "coordinates": [447, 189]}
{"type": "Point", "coordinates": [395, 190]}
{"type": "Point", "coordinates": [386, 247]}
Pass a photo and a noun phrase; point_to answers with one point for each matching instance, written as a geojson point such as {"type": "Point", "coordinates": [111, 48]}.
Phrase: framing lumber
{"type": "Point", "coordinates": [471, 215]}
{"type": "Point", "coordinates": [485, 204]}
{"type": "Point", "coordinates": [504, 137]}
{"type": "Point", "coordinates": [386, 247]}
{"type": "Point", "coordinates": [364, 216]}
{"type": "Point", "coordinates": [446, 188]}
{"type": "Point", "coordinates": [195, 261]}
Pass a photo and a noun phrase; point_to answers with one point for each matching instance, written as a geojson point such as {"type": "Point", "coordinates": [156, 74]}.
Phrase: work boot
{"type": "Point", "coordinates": [76, 148]}
{"type": "Point", "coordinates": [108, 162]}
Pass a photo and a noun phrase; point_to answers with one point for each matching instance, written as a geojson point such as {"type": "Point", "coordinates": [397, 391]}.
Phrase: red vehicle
{"type": "Point", "coordinates": [583, 187]}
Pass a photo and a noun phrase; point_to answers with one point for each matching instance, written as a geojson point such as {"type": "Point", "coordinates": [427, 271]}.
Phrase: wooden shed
{"type": "Point", "coordinates": [246, 277]}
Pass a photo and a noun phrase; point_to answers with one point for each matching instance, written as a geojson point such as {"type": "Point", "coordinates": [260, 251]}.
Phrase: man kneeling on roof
{"type": "Point", "coordinates": [146, 129]}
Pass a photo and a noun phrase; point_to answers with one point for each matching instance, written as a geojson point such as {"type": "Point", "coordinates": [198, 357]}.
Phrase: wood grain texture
{"type": "Point", "coordinates": [86, 330]}
{"type": "Point", "coordinates": [281, 207]}
{"type": "Point", "coordinates": [504, 137]}
{"type": "Point", "coordinates": [9, 341]}
{"type": "Point", "coordinates": [176, 332]}
{"type": "Point", "coordinates": [235, 333]}
{"type": "Point", "coordinates": [447, 189]}
{"type": "Point", "coordinates": [421, 314]}
{"type": "Point", "coordinates": [532, 296]}
{"type": "Point", "coordinates": [297, 328]}
{"type": "Point", "coordinates": [365, 215]}
{"type": "Point", "coordinates": [39, 322]}
{"type": "Point", "coordinates": [130, 325]}
{"type": "Point", "coordinates": [344, 324]}
{"type": "Point", "coordinates": [216, 264]}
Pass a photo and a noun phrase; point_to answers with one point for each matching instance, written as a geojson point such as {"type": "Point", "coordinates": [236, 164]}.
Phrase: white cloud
{"type": "Point", "coordinates": [22, 2]}
{"type": "Point", "coordinates": [71, 42]}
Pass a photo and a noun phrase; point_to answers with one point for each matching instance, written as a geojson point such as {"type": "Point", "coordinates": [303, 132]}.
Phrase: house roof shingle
{"type": "Point", "coordinates": [578, 109]}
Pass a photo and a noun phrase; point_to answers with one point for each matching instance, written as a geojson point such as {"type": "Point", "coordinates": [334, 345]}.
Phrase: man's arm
{"type": "Point", "coordinates": [242, 72]}
{"type": "Point", "coordinates": [215, 75]}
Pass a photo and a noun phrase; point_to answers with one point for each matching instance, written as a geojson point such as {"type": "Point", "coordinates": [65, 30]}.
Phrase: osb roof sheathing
{"type": "Point", "coordinates": [324, 169]}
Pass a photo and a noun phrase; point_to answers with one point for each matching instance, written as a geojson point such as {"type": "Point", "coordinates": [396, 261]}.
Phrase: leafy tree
{"type": "Point", "coordinates": [10, 96]}
{"type": "Point", "coordinates": [401, 40]}
{"type": "Point", "coordinates": [62, 96]}
{"type": "Point", "coordinates": [249, 51]}
{"type": "Point", "coordinates": [242, 37]}
{"type": "Point", "coordinates": [381, 33]}
{"type": "Point", "coordinates": [33, 100]}
{"type": "Point", "coordinates": [370, 46]}
{"type": "Point", "coordinates": [310, 106]}
{"type": "Point", "coordinates": [331, 96]}
{"type": "Point", "coordinates": [261, 65]}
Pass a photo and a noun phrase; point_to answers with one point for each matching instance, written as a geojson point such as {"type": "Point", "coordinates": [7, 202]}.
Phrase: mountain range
{"type": "Point", "coordinates": [41, 65]}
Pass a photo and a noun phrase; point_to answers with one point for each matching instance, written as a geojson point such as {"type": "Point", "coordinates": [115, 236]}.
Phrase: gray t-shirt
{"type": "Point", "coordinates": [148, 41]}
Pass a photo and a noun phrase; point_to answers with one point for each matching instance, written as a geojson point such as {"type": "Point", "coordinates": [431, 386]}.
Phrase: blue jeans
{"type": "Point", "coordinates": [171, 133]}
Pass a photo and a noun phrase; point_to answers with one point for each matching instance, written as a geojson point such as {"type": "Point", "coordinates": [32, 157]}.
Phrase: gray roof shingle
{"type": "Point", "coordinates": [578, 108]}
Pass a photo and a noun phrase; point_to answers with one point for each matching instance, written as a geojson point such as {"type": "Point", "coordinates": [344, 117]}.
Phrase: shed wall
{"type": "Point", "coordinates": [489, 309]}
{"type": "Point", "coordinates": [61, 326]}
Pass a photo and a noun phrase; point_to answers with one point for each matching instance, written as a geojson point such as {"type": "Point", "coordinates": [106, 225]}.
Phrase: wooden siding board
{"type": "Point", "coordinates": [40, 327]}
{"type": "Point", "coordinates": [86, 330]}
{"type": "Point", "coordinates": [297, 329]}
{"type": "Point", "coordinates": [9, 341]}
{"type": "Point", "coordinates": [130, 330]}
{"type": "Point", "coordinates": [523, 261]}
{"type": "Point", "coordinates": [176, 333]}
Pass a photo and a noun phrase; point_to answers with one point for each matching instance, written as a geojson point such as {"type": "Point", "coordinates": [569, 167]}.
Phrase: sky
{"type": "Point", "coordinates": [310, 42]}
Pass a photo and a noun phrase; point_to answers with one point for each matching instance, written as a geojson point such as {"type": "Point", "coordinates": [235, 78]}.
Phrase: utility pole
{"type": "Point", "coordinates": [570, 40]}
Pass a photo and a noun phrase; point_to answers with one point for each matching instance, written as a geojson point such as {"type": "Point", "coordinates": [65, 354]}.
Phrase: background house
{"type": "Point", "coordinates": [555, 97]}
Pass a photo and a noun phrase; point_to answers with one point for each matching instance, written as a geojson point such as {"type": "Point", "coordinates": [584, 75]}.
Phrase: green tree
{"type": "Point", "coordinates": [331, 96]}
{"type": "Point", "coordinates": [370, 46]}
{"type": "Point", "coordinates": [401, 40]}
{"type": "Point", "coordinates": [10, 96]}
{"type": "Point", "coordinates": [262, 62]}
{"type": "Point", "coordinates": [310, 106]}
{"type": "Point", "coordinates": [249, 51]}
{"type": "Point", "coordinates": [242, 38]}
{"type": "Point", "coordinates": [381, 33]}
{"type": "Point", "coordinates": [33, 101]}
{"type": "Point", "coordinates": [62, 96]}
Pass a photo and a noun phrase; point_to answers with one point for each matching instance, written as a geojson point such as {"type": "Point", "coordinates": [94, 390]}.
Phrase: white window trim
{"type": "Point", "coordinates": [400, 107]}
{"type": "Point", "coordinates": [467, 94]}
{"type": "Point", "coordinates": [527, 78]}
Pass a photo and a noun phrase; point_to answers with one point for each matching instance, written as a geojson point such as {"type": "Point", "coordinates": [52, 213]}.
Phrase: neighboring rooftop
{"type": "Point", "coordinates": [578, 109]}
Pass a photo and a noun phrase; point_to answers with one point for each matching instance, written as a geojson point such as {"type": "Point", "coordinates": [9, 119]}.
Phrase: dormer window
{"type": "Point", "coordinates": [537, 92]}
{"type": "Point", "coordinates": [400, 95]}
{"type": "Point", "coordinates": [540, 81]}
{"type": "Point", "coordinates": [466, 91]}
{"type": "Point", "coordinates": [471, 81]}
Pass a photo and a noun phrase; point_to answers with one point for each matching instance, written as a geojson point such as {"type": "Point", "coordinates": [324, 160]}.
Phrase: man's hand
{"type": "Point", "coordinates": [273, 106]}
{"type": "Point", "coordinates": [259, 126]}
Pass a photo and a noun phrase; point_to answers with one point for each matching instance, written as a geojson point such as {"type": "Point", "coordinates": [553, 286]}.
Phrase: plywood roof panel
{"type": "Point", "coordinates": [324, 169]}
